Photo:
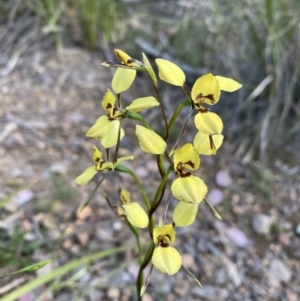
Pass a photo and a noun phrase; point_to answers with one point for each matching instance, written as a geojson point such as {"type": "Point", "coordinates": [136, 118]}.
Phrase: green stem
{"type": "Point", "coordinates": [137, 236]}
{"type": "Point", "coordinates": [160, 191]}
{"type": "Point", "coordinates": [140, 278]}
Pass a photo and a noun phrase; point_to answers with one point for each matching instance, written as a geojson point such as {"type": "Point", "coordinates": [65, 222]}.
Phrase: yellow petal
{"type": "Point", "coordinates": [113, 165]}
{"type": "Point", "coordinates": [111, 138]}
{"type": "Point", "coordinates": [122, 80]}
{"type": "Point", "coordinates": [99, 129]}
{"type": "Point", "coordinates": [166, 232]}
{"type": "Point", "coordinates": [208, 123]}
{"type": "Point", "coordinates": [127, 60]}
{"type": "Point", "coordinates": [149, 69]}
{"type": "Point", "coordinates": [170, 73]}
{"type": "Point", "coordinates": [125, 158]}
{"type": "Point", "coordinates": [184, 214]}
{"type": "Point", "coordinates": [167, 260]}
{"type": "Point", "coordinates": [123, 56]}
{"type": "Point", "coordinates": [207, 144]}
{"type": "Point", "coordinates": [190, 189]}
{"type": "Point", "coordinates": [142, 104]}
{"type": "Point", "coordinates": [149, 141]}
{"type": "Point", "coordinates": [108, 101]}
{"type": "Point", "coordinates": [206, 90]}
{"type": "Point", "coordinates": [136, 215]}
{"type": "Point", "coordinates": [228, 84]}
{"type": "Point", "coordinates": [86, 176]}
{"type": "Point", "coordinates": [124, 196]}
{"type": "Point", "coordinates": [188, 156]}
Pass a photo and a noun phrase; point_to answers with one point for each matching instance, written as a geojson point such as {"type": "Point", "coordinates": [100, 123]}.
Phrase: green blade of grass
{"type": "Point", "coordinates": [35, 283]}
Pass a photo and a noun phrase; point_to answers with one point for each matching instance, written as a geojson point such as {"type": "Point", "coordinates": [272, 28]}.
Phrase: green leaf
{"type": "Point", "coordinates": [213, 210]}
{"type": "Point", "coordinates": [192, 275]}
{"type": "Point", "coordinates": [31, 268]}
{"type": "Point", "coordinates": [93, 193]}
{"type": "Point", "coordinates": [161, 187]}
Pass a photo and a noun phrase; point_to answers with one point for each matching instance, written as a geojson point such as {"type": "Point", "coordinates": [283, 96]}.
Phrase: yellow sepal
{"type": "Point", "coordinates": [100, 128]}
{"type": "Point", "coordinates": [170, 73]}
{"type": "Point", "coordinates": [184, 214]}
{"type": "Point", "coordinates": [208, 123]}
{"type": "Point", "coordinates": [111, 138]}
{"type": "Point", "coordinates": [136, 215]}
{"type": "Point", "coordinates": [189, 189]}
{"type": "Point", "coordinates": [149, 141]}
{"type": "Point", "coordinates": [123, 79]}
{"type": "Point", "coordinates": [228, 84]}
{"type": "Point", "coordinates": [142, 104]}
{"type": "Point", "coordinates": [207, 144]}
{"type": "Point", "coordinates": [86, 176]}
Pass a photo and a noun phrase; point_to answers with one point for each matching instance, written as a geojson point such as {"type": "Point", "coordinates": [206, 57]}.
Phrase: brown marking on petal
{"type": "Point", "coordinates": [190, 163]}
{"type": "Point", "coordinates": [202, 110]}
{"type": "Point", "coordinates": [108, 106]}
{"type": "Point", "coordinates": [185, 175]}
{"type": "Point", "coordinates": [130, 61]}
{"type": "Point", "coordinates": [164, 245]}
{"type": "Point", "coordinates": [210, 97]}
{"type": "Point", "coordinates": [212, 145]}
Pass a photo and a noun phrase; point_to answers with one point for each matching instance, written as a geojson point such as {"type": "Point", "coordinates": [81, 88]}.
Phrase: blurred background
{"type": "Point", "coordinates": [51, 86]}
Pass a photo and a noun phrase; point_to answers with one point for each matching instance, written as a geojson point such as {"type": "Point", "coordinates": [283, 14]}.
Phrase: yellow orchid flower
{"type": "Point", "coordinates": [106, 128]}
{"type": "Point", "coordinates": [165, 258]}
{"type": "Point", "coordinates": [187, 187]}
{"type": "Point", "coordinates": [99, 165]}
{"type": "Point", "coordinates": [207, 89]}
{"type": "Point", "coordinates": [186, 157]}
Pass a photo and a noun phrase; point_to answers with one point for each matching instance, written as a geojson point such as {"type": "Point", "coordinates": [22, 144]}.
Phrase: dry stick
{"type": "Point", "coordinates": [183, 128]}
{"type": "Point", "coordinates": [118, 142]}
{"type": "Point", "coordinates": [163, 113]}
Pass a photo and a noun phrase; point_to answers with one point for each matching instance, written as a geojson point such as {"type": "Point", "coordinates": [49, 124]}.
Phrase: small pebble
{"type": "Point", "coordinates": [280, 270]}
{"type": "Point", "coordinates": [215, 196]}
{"type": "Point", "coordinates": [113, 292]}
{"type": "Point", "coordinates": [237, 236]}
{"type": "Point", "coordinates": [261, 224]}
{"type": "Point", "coordinates": [223, 178]}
